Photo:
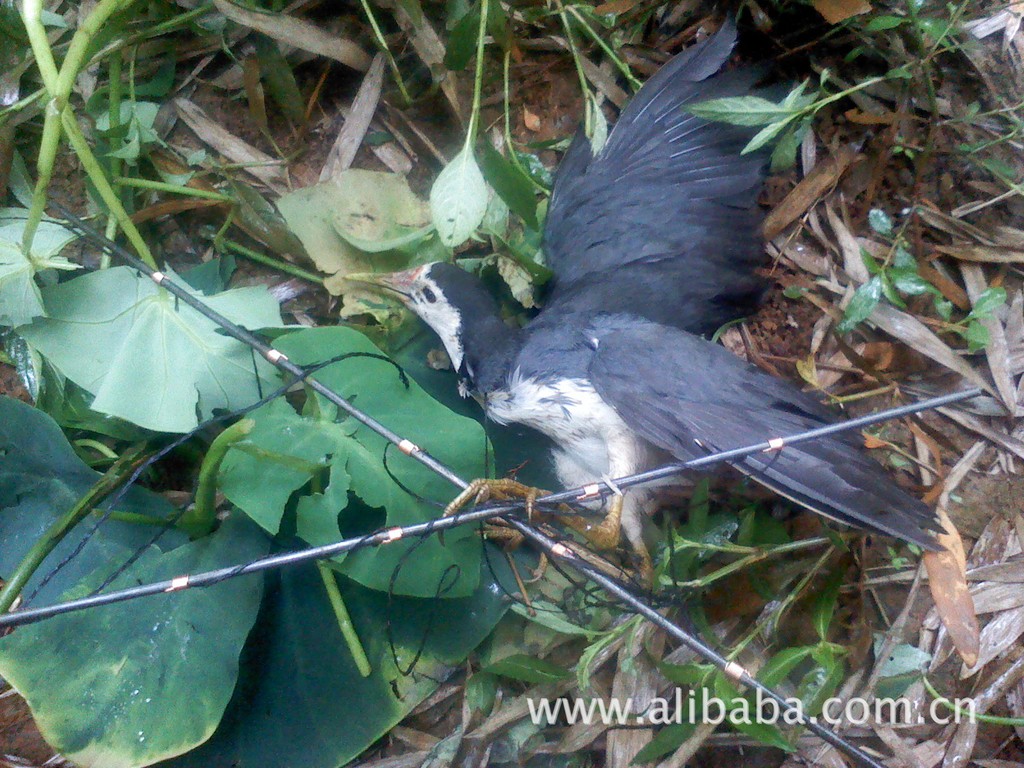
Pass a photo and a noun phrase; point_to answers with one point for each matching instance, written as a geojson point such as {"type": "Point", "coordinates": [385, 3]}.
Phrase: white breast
{"type": "Point", "coordinates": [590, 434]}
{"type": "Point", "coordinates": [594, 443]}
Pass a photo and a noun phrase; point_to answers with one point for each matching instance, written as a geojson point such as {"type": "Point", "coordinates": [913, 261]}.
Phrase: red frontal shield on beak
{"type": "Point", "coordinates": [395, 283]}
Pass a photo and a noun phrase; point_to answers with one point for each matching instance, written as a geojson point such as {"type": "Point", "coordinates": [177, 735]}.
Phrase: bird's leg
{"type": "Point", "coordinates": [603, 535]}
{"type": "Point", "coordinates": [607, 534]}
{"type": "Point", "coordinates": [502, 488]}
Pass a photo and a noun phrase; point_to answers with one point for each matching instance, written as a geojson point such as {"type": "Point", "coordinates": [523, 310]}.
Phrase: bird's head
{"type": "Point", "coordinates": [454, 303]}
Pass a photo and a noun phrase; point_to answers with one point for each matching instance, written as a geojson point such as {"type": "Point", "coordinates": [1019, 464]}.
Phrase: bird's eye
{"type": "Point", "coordinates": [429, 295]}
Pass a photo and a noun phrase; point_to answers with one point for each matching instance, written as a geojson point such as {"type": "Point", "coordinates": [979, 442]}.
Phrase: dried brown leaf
{"type": "Point", "coordinates": [616, 6]}
{"type": "Point", "coordinates": [822, 178]}
{"type": "Point", "coordinates": [261, 165]}
{"type": "Point", "coordinates": [839, 10]}
{"type": "Point", "coordinates": [998, 636]}
{"type": "Point", "coordinates": [849, 248]}
{"type": "Point", "coordinates": [947, 580]}
{"type": "Point", "coordinates": [636, 679]}
{"type": "Point", "coordinates": [351, 135]}
{"type": "Point", "coordinates": [428, 46]}
{"type": "Point", "coordinates": [991, 254]}
{"type": "Point", "coordinates": [299, 33]}
{"type": "Point", "coordinates": [916, 335]}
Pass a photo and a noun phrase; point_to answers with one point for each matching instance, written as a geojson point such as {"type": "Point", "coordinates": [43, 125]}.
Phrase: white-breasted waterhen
{"type": "Point", "coordinates": [653, 240]}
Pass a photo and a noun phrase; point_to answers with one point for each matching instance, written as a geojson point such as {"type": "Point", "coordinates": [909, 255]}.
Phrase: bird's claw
{"type": "Point", "coordinates": [503, 489]}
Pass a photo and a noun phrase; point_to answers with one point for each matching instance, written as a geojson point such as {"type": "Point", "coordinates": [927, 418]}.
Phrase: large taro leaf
{"type": "Point", "coordinates": [148, 358]}
{"type": "Point", "coordinates": [134, 683]}
{"type": "Point", "coordinates": [303, 704]}
{"type": "Point", "coordinates": [41, 478]}
{"type": "Point", "coordinates": [353, 491]}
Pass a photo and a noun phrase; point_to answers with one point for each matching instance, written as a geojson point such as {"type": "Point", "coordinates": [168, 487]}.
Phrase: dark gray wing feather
{"type": "Point", "coordinates": [690, 396]}
{"type": "Point", "coordinates": [667, 208]}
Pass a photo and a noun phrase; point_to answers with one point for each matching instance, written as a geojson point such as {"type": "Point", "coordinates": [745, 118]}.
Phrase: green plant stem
{"type": "Point", "coordinates": [512, 154]}
{"type": "Point", "coordinates": [1016, 722]}
{"type": "Point", "coordinates": [383, 43]}
{"type": "Point", "coordinates": [478, 80]}
{"type": "Point", "coordinates": [173, 189]}
{"type": "Point", "coordinates": [348, 630]}
{"type": "Point", "coordinates": [97, 446]}
{"type": "Point", "coordinates": [281, 266]}
{"type": "Point", "coordinates": [106, 192]}
{"type": "Point", "coordinates": [31, 11]}
{"type": "Point", "coordinates": [59, 84]}
{"type": "Point", "coordinates": [46, 543]}
{"type": "Point", "coordinates": [201, 519]}
{"type": "Point", "coordinates": [571, 42]}
{"type": "Point", "coordinates": [114, 113]}
{"type": "Point", "coordinates": [48, 146]}
{"type": "Point", "coordinates": [619, 63]}
{"type": "Point", "coordinates": [782, 605]}
{"type": "Point", "coordinates": [759, 552]}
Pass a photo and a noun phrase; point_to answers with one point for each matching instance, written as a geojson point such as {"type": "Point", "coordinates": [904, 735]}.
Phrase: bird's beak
{"type": "Point", "coordinates": [395, 283]}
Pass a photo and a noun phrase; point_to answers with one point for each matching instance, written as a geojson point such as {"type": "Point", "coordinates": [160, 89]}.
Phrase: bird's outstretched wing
{"type": "Point", "coordinates": [689, 396]}
{"type": "Point", "coordinates": [666, 211]}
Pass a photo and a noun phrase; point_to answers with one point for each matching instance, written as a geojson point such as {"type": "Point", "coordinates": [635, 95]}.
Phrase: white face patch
{"type": "Point", "coordinates": [441, 316]}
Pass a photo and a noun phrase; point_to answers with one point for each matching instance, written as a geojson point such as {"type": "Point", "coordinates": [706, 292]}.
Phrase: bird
{"type": "Point", "coordinates": [653, 242]}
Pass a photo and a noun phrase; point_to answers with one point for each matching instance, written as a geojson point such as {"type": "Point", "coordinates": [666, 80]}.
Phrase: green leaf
{"type": "Point", "coordinates": [903, 658]}
{"type": "Point", "coordinates": [824, 604]}
{"type": "Point", "coordinates": [988, 302]}
{"type": "Point", "coordinates": [355, 493]}
{"type": "Point", "coordinates": [782, 664]}
{"type": "Point", "coordinates": [742, 714]}
{"type": "Point", "coordinates": [462, 41]}
{"type": "Point", "coordinates": [890, 291]}
{"type": "Point", "coordinates": [370, 211]}
{"type": "Point", "coordinates": [943, 307]}
{"type": "Point", "coordinates": [20, 299]}
{"type": "Point", "coordinates": [911, 283]}
{"type": "Point", "coordinates": [822, 681]}
{"type": "Point", "coordinates": [279, 79]}
{"type": "Point", "coordinates": [796, 99]}
{"type": "Point", "coordinates": [882, 23]}
{"type": "Point", "coordinates": [740, 110]}
{"type": "Point", "coordinates": [481, 690]}
{"type": "Point", "coordinates": [598, 125]}
{"type": "Point", "coordinates": [527, 668]}
{"type": "Point", "coordinates": [458, 199]}
{"type": "Point", "coordinates": [766, 134]}
{"type": "Point", "coordinates": [880, 222]}
{"type": "Point", "coordinates": [903, 260]}
{"type": "Point", "coordinates": [122, 668]}
{"type": "Point", "coordinates": [510, 184]}
{"type": "Point", "coordinates": [977, 336]}
{"type": "Point", "coordinates": [667, 740]}
{"type": "Point", "coordinates": [863, 303]}
{"type": "Point", "coordinates": [148, 358]}
{"type": "Point", "coordinates": [784, 154]}
{"type": "Point", "coordinates": [870, 262]}
{"type": "Point", "coordinates": [690, 674]}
